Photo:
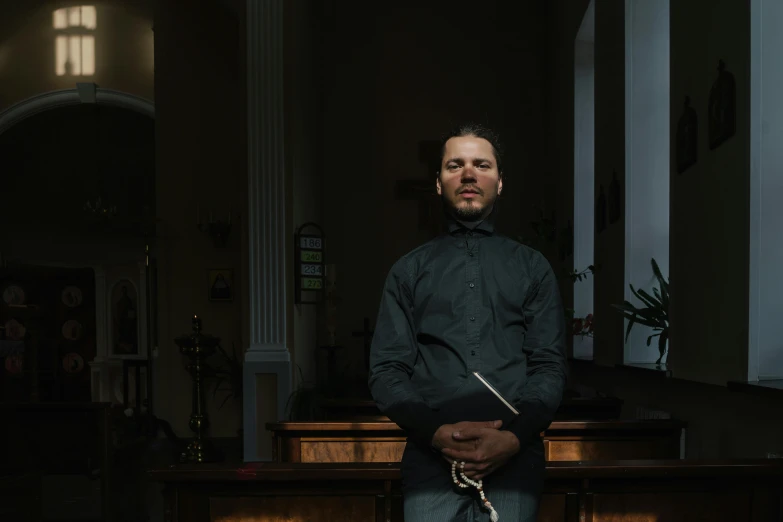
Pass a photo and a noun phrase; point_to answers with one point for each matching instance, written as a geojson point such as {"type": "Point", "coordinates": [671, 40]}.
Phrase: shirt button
{"type": "Point", "coordinates": [470, 254]}
{"type": "Point", "coordinates": [471, 285]}
{"type": "Point", "coordinates": [473, 352]}
{"type": "Point", "coordinates": [472, 318]}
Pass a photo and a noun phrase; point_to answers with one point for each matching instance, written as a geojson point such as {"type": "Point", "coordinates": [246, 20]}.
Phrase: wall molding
{"type": "Point", "coordinates": [82, 93]}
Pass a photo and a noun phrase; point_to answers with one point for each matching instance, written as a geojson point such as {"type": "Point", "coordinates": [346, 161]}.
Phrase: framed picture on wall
{"type": "Point", "coordinates": [220, 285]}
{"type": "Point", "coordinates": [125, 305]}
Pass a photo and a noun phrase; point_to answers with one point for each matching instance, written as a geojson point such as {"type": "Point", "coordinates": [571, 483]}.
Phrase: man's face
{"type": "Point", "coordinates": [469, 181]}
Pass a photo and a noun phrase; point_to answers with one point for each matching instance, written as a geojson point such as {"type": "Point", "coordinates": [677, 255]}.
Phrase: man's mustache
{"type": "Point", "coordinates": [470, 188]}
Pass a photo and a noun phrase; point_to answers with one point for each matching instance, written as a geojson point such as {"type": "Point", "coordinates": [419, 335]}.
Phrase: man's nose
{"type": "Point", "coordinates": [468, 174]}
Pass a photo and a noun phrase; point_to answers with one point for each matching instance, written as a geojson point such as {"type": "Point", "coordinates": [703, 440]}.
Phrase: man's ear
{"type": "Point", "coordinates": [437, 186]}
{"type": "Point", "coordinates": [500, 185]}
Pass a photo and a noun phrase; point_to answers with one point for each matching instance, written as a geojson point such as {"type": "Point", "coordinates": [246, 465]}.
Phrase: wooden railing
{"type": "Point", "coordinates": [616, 491]}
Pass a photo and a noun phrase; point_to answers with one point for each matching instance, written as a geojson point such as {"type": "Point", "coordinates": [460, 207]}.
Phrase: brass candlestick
{"type": "Point", "coordinates": [197, 346]}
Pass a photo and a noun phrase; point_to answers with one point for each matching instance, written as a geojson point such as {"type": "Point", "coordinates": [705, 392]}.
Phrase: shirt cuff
{"type": "Point", "coordinates": [419, 421]}
{"type": "Point", "coordinates": [528, 425]}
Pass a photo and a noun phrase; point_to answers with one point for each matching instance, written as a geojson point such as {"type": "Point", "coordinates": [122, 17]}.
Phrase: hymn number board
{"type": "Point", "coordinates": [310, 262]}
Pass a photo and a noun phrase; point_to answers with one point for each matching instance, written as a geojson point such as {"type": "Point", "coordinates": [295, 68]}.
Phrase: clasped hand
{"type": "Point", "coordinates": [482, 446]}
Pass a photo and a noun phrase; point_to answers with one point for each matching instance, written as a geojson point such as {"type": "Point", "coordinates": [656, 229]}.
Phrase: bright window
{"type": "Point", "coordinates": [75, 40]}
{"type": "Point", "coordinates": [647, 161]}
{"type": "Point", "coordinates": [765, 350]}
{"type": "Point", "coordinates": [584, 173]}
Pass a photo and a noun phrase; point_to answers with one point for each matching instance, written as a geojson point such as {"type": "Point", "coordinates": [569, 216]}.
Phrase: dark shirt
{"type": "Point", "coordinates": [469, 300]}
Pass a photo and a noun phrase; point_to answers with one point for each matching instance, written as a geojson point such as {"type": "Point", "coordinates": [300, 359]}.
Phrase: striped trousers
{"type": "Point", "coordinates": [429, 495]}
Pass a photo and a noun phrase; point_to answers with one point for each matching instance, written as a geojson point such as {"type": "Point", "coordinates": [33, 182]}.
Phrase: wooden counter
{"type": "Point", "coordinates": [333, 442]}
{"type": "Point", "coordinates": [571, 408]}
{"type": "Point", "coordinates": [612, 491]}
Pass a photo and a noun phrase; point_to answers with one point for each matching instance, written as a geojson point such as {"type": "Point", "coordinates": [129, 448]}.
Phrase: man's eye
{"type": "Point", "coordinates": [452, 167]}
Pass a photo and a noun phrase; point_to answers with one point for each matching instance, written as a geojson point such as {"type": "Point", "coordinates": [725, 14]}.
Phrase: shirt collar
{"type": "Point", "coordinates": [487, 225]}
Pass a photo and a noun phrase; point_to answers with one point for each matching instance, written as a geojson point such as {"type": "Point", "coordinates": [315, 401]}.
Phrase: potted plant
{"type": "Point", "coordinates": [582, 326]}
{"type": "Point", "coordinates": [223, 372]}
{"type": "Point", "coordinates": [303, 403]}
{"type": "Point", "coordinates": [545, 234]}
{"type": "Point", "coordinates": [654, 313]}
{"type": "Point", "coordinates": [227, 375]}
{"type": "Point", "coordinates": [136, 445]}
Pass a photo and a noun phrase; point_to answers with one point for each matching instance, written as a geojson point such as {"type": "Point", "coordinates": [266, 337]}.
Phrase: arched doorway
{"type": "Point", "coordinates": [84, 93]}
{"type": "Point", "coordinates": [78, 185]}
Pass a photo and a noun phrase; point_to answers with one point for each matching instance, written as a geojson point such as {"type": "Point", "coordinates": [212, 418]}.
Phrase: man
{"type": "Point", "coordinates": [470, 300]}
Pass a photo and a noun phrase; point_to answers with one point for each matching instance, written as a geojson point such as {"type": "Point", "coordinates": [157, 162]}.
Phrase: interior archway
{"type": "Point", "coordinates": [78, 185]}
{"type": "Point", "coordinates": [85, 93]}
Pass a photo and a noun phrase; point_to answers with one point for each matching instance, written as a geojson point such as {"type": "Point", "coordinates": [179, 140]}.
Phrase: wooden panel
{"type": "Point", "coordinates": [561, 430]}
{"type": "Point", "coordinates": [552, 508]}
{"type": "Point", "coordinates": [334, 426]}
{"type": "Point", "coordinates": [192, 506]}
{"type": "Point", "coordinates": [564, 450]}
{"type": "Point", "coordinates": [715, 506]}
{"type": "Point", "coordinates": [289, 449]}
{"type": "Point", "coordinates": [574, 440]}
{"type": "Point", "coordinates": [338, 450]}
{"type": "Point", "coordinates": [571, 408]}
{"type": "Point", "coordinates": [292, 509]}
{"type": "Point", "coordinates": [273, 472]}
{"type": "Point", "coordinates": [770, 470]}
{"type": "Point", "coordinates": [397, 509]}
{"type": "Point", "coordinates": [619, 491]}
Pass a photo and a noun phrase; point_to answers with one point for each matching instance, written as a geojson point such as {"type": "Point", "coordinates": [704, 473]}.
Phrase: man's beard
{"type": "Point", "coordinates": [466, 213]}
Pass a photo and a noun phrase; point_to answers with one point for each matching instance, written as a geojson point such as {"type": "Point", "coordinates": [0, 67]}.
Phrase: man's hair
{"type": "Point", "coordinates": [475, 130]}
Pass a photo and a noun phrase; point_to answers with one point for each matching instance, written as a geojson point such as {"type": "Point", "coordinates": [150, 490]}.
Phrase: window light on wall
{"type": "Point", "coordinates": [75, 41]}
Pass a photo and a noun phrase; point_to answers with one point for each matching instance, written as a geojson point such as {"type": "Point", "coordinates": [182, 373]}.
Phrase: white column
{"type": "Point", "coordinates": [765, 356]}
{"type": "Point", "coordinates": [268, 351]}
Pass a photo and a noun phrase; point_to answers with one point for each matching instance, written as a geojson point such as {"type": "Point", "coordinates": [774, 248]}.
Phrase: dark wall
{"type": "Point", "coordinates": [396, 76]}
{"type": "Point", "coordinates": [201, 165]}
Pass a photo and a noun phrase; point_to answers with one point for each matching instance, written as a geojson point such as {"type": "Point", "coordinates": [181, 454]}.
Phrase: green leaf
{"type": "Point", "coordinates": [650, 313]}
{"type": "Point", "coordinates": [626, 306]}
{"type": "Point", "coordinates": [651, 300]}
{"type": "Point", "coordinates": [628, 329]}
{"type": "Point", "coordinates": [642, 321]}
{"type": "Point", "coordinates": [658, 274]}
{"type": "Point", "coordinates": [661, 281]}
{"type": "Point", "coordinates": [653, 318]}
{"type": "Point", "coordinates": [644, 297]}
{"type": "Point", "coordinates": [662, 343]}
{"type": "Point", "coordinates": [665, 298]}
{"type": "Point", "coordinates": [655, 312]}
{"type": "Point", "coordinates": [642, 313]}
{"type": "Point", "coordinates": [636, 294]}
